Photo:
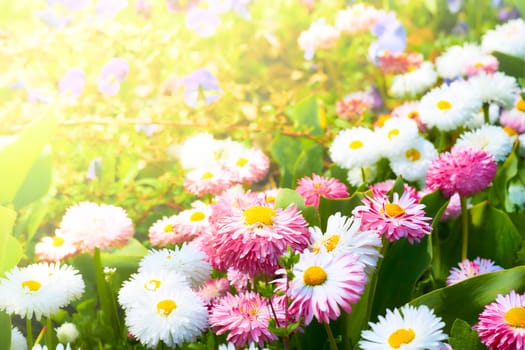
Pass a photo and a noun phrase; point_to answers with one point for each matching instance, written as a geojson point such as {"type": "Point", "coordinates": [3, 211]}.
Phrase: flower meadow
{"type": "Point", "coordinates": [262, 174]}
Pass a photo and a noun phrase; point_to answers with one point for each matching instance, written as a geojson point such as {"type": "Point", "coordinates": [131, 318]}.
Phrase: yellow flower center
{"type": "Point", "coordinates": [413, 154]}
{"type": "Point", "coordinates": [32, 285]}
{"type": "Point", "coordinates": [197, 216]}
{"type": "Point", "coordinates": [355, 144]}
{"type": "Point", "coordinates": [413, 114]}
{"type": "Point", "coordinates": [382, 119]}
{"type": "Point", "coordinates": [393, 133]}
{"type": "Point", "coordinates": [392, 209]}
{"type": "Point", "coordinates": [242, 162]}
{"type": "Point", "coordinates": [165, 307]}
{"type": "Point", "coordinates": [400, 337]}
{"type": "Point", "coordinates": [510, 131]}
{"type": "Point", "coordinates": [520, 105]}
{"type": "Point", "coordinates": [152, 285]}
{"type": "Point", "coordinates": [270, 199]}
{"type": "Point", "coordinates": [168, 228]}
{"type": "Point", "coordinates": [331, 243]}
{"type": "Point", "coordinates": [444, 105]}
{"type": "Point", "coordinates": [478, 65]}
{"type": "Point", "coordinates": [259, 214]}
{"type": "Point", "coordinates": [515, 317]}
{"type": "Point", "coordinates": [207, 175]}
{"type": "Point", "coordinates": [314, 276]}
{"type": "Point", "coordinates": [58, 241]}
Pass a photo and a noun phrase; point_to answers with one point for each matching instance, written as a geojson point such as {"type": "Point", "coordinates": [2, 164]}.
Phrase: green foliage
{"type": "Point", "coordinates": [5, 331]}
{"type": "Point", "coordinates": [462, 336]}
{"type": "Point", "coordinates": [511, 65]}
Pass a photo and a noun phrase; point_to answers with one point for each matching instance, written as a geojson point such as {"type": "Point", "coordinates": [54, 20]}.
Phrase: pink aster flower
{"type": "Point", "coordinates": [54, 249]}
{"type": "Point", "coordinates": [323, 285]}
{"type": "Point", "coordinates": [398, 63]}
{"type": "Point", "coordinates": [502, 322]}
{"type": "Point", "coordinates": [212, 290]}
{"type": "Point", "coordinates": [90, 225]}
{"type": "Point", "coordinates": [193, 222]}
{"type": "Point", "coordinates": [402, 217]}
{"type": "Point", "coordinates": [469, 269]}
{"type": "Point", "coordinates": [354, 105]}
{"type": "Point", "coordinates": [465, 171]}
{"type": "Point", "coordinates": [250, 166]}
{"type": "Point", "coordinates": [481, 64]}
{"type": "Point", "coordinates": [515, 118]}
{"type": "Point", "coordinates": [239, 280]}
{"type": "Point", "coordinates": [382, 188]}
{"type": "Point", "coordinates": [162, 232]}
{"type": "Point", "coordinates": [311, 189]}
{"type": "Point", "coordinates": [252, 238]}
{"type": "Point", "coordinates": [453, 208]}
{"type": "Point", "coordinates": [245, 316]}
{"type": "Point", "coordinates": [207, 181]}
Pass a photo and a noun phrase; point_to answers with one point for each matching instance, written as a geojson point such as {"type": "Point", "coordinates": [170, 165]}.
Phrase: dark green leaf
{"type": "Point", "coordinates": [462, 336]}
{"type": "Point", "coordinates": [510, 65]}
{"type": "Point", "coordinates": [309, 161]}
{"type": "Point", "coordinates": [5, 331]}
{"type": "Point", "coordinates": [520, 5]}
{"type": "Point", "coordinates": [306, 116]}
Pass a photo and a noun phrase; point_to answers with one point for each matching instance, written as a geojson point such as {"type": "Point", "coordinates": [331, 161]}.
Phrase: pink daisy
{"type": "Point", "coordinates": [239, 280]}
{"type": "Point", "coordinates": [453, 210]}
{"type": "Point", "coordinates": [515, 118]}
{"type": "Point", "coordinates": [89, 225]}
{"type": "Point", "coordinates": [250, 166]}
{"type": "Point", "coordinates": [207, 181]}
{"type": "Point", "coordinates": [410, 110]}
{"type": "Point", "coordinates": [245, 316]}
{"type": "Point", "coordinates": [354, 105]}
{"type": "Point", "coordinates": [212, 290]}
{"type": "Point", "coordinates": [311, 189]}
{"type": "Point", "coordinates": [481, 64]}
{"type": "Point", "coordinates": [382, 188]}
{"type": "Point", "coordinates": [402, 217]}
{"type": "Point", "coordinates": [323, 285]}
{"type": "Point", "coordinates": [191, 223]}
{"type": "Point", "coordinates": [465, 171]}
{"type": "Point", "coordinates": [54, 249]}
{"type": "Point", "coordinates": [251, 239]}
{"type": "Point", "coordinates": [398, 63]}
{"type": "Point", "coordinates": [161, 232]}
{"type": "Point", "coordinates": [468, 269]}
{"type": "Point", "coordinates": [501, 325]}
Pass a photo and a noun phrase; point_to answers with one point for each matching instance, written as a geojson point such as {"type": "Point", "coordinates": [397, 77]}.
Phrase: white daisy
{"type": "Point", "coordinates": [143, 284]}
{"type": "Point", "coordinates": [495, 88]}
{"type": "Point", "coordinates": [506, 38]}
{"type": "Point", "coordinates": [395, 135]}
{"type": "Point", "coordinates": [172, 316]}
{"type": "Point", "coordinates": [478, 119]}
{"type": "Point", "coordinates": [408, 109]}
{"type": "Point", "coordinates": [343, 235]}
{"type": "Point", "coordinates": [413, 161]}
{"type": "Point", "coordinates": [415, 81]}
{"type": "Point", "coordinates": [40, 289]}
{"type": "Point", "coordinates": [408, 328]}
{"type": "Point", "coordinates": [355, 175]}
{"type": "Point", "coordinates": [67, 332]}
{"type": "Point", "coordinates": [18, 341]}
{"type": "Point", "coordinates": [319, 36]}
{"type": "Point", "coordinates": [54, 249]}
{"type": "Point", "coordinates": [198, 151]}
{"type": "Point", "coordinates": [449, 106]}
{"type": "Point", "coordinates": [490, 138]}
{"type": "Point", "coordinates": [452, 63]}
{"type": "Point", "coordinates": [186, 259]}
{"type": "Point", "coordinates": [354, 147]}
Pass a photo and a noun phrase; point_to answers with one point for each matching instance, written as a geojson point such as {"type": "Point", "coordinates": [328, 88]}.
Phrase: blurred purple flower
{"type": "Point", "coordinates": [94, 169]}
{"type": "Point", "coordinates": [148, 129]}
{"type": "Point", "coordinates": [455, 5]}
{"type": "Point", "coordinates": [112, 74]}
{"type": "Point", "coordinates": [52, 19]}
{"type": "Point", "coordinates": [203, 22]}
{"type": "Point", "coordinates": [377, 101]}
{"type": "Point", "coordinates": [37, 95]}
{"type": "Point", "coordinates": [391, 36]}
{"type": "Point", "coordinates": [461, 28]}
{"type": "Point", "coordinates": [200, 83]}
{"type": "Point", "coordinates": [508, 13]}
{"type": "Point", "coordinates": [72, 83]}
{"type": "Point", "coordinates": [110, 8]}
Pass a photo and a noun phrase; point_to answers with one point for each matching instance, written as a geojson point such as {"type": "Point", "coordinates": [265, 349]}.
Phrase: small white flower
{"type": "Point", "coordinates": [495, 88]}
{"type": "Point", "coordinates": [414, 82]}
{"type": "Point", "coordinates": [355, 147]}
{"type": "Point", "coordinates": [67, 333]}
{"type": "Point", "coordinates": [490, 138]}
{"type": "Point", "coordinates": [452, 63]}
{"type": "Point", "coordinates": [413, 161]}
{"type": "Point", "coordinates": [506, 38]}
{"type": "Point", "coordinates": [355, 175]}
{"type": "Point", "coordinates": [18, 341]}
{"type": "Point", "coordinates": [396, 135]}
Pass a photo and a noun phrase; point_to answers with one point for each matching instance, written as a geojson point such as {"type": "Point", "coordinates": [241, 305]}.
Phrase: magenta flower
{"type": "Point", "coordinates": [72, 84]}
{"type": "Point", "coordinates": [465, 171]}
{"type": "Point", "coordinates": [402, 217]}
{"type": "Point", "coordinates": [203, 22]}
{"type": "Point", "coordinates": [113, 73]}
{"type": "Point", "coordinates": [501, 323]}
{"type": "Point", "coordinates": [311, 189]}
{"type": "Point", "coordinates": [245, 316]}
{"type": "Point", "coordinates": [382, 188]}
{"type": "Point", "coordinates": [469, 269]}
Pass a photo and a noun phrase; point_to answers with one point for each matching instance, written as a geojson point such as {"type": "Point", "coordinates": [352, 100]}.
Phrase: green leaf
{"type": "Point", "coordinates": [462, 336]}
{"type": "Point", "coordinates": [17, 158]}
{"type": "Point", "coordinates": [510, 65]}
{"type": "Point", "coordinates": [493, 235]}
{"type": "Point", "coordinates": [37, 181]}
{"type": "Point", "coordinates": [520, 5]}
{"type": "Point", "coordinates": [14, 253]}
{"type": "Point", "coordinates": [401, 268]}
{"type": "Point", "coordinates": [286, 196]}
{"type": "Point", "coordinates": [7, 221]}
{"type": "Point", "coordinates": [126, 257]}
{"type": "Point", "coordinates": [467, 299]}
{"type": "Point", "coordinates": [431, 6]}
{"type": "Point", "coordinates": [499, 191]}
{"type": "Point", "coordinates": [309, 161]}
{"type": "Point", "coordinates": [5, 331]}
{"type": "Point", "coordinates": [306, 115]}
{"type": "Point", "coordinates": [345, 206]}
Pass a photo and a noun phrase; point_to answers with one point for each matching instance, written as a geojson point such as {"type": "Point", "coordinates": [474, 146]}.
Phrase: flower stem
{"type": "Point", "coordinates": [464, 228]}
{"type": "Point", "coordinates": [49, 334]}
{"type": "Point", "coordinates": [104, 295]}
{"type": "Point", "coordinates": [486, 115]}
{"type": "Point", "coordinates": [29, 332]}
{"type": "Point", "coordinates": [331, 339]}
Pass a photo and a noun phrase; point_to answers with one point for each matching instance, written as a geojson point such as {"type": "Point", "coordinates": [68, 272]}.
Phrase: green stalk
{"type": "Point", "coordinates": [486, 113]}
{"type": "Point", "coordinates": [104, 295]}
{"type": "Point", "coordinates": [331, 339]}
{"type": "Point", "coordinates": [374, 279]}
{"type": "Point", "coordinates": [464, 228]}
{"type": "Point", "coordinates": [363, 175]}
{"type": "Point", "coordinates": [29, 333]}
{"type": "Point", "coordinates": [49, 334]}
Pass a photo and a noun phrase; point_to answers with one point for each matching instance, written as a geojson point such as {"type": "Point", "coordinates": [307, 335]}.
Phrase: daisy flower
{"type": "Point", "coordinates": [40, 289]}
{"type": "Point", "coordinates": [515, 117]}
{"type": "Point", "coordinates": [383, 188]}
{"type": "Point", "coordinates": [186, 259]}
{"type": "Point", "coordinates": [490, 138]}
{"type": "Point", "coordinates": [478, 119]}
{"type": "Point", "coordinates": [402, 217]}
{"type": "Point", "coordinates": [453, 209]}
{"type": "Point", "coordinates": [213, 289]}
{"type": "Point", "coordinates": [464, 171]}
{"type": "Point", "coordinates": [251, 239]}
{"type": "Point", "coordinates": [239, 280]}
{"type": "Point", "coordinates": [172, 316]}
{"type": "Point", "coordinates": [414, 160]}
{"type": "Point", "coordinates": [399, 63]}
{"type": "Point", "coordinates": [193, 222]}
{"type": "Point", "coordinates": [356, 18]}
{"type": "Point", "coordinates": [343, 235]}
{"type": "Point", "coordinates": [207, 181]}
{"type": "Point", "coordinates": [468, 269]}
{"type": "Point", "coordinates": [395, 135]}
{"type": "Point", "coordinates": [245, 317]}
{"type": "Point", "coordinates": [410, 110]}
{"type": "Point", "coordinates": [506, 38]}
{"type": "Point", "coordinates": [323, 285]}
{"type": "Point", "coordinates": [500, 324]}
{"type": "Point", "coordinates": [311, 189]}
{"type": "Point", "coordinates": [452, 63]}
{"type": "Point", "coordinates": [449, 106]}
{"type": "Point", "coordinates": [414, 81]}
{"type": "Point", "coordinates": [162, 232]}
{"type": "Point", "coordinates": [354, 147]}
{"type": "Point", "coordinates": [54, 249]}
{"type": "Point", "coordinates": [355, 175]}
{"type": "Point", "coordinates": [319, 36]}
{"type": "Point", "coordinates": [248, 166]}
{"type": "Point", "coordinates": [144, 284]}
{"type": "Point", "coordinates": [198, 151]}
{"type": "Point", "coordinates": [481, 64]}
{"type": "Point", "coordinates": [18, 341]}
{"type": "Point", "coordinates": [497, 88]}
{"type": "Point", "coordinates": [409, 327]}
{"type": "Point", "coordinates": [90, 225]}
{"type": "Point", "coordinates": [355, 105]}
{"type": "Point", "coordinates": [67, 332]}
